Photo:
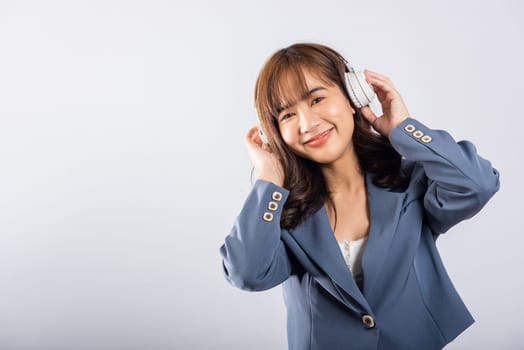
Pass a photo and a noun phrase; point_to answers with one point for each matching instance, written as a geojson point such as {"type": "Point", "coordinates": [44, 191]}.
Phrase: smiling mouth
{"type": "Point", "coordinates": [319, 138]}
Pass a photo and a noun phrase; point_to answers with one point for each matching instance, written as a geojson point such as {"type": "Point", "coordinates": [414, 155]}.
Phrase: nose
{"type": "Point", "coordinates": [308, 120]}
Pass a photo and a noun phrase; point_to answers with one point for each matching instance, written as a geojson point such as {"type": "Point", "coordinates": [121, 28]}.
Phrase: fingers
{"type": "Point", "coordinates": [368, 114]}
{"type": "Point", "coordinates": [393, 107]}
{"type": "Point", "coordinates": [383, 85]}
{"type": "Point", "coordinates": [377, 76]}
{"type": "Point", "coordinates": [253, 140]}
{"type": "Point", "coordinates": [379, 80]}
{"type": "Point", "coordinates": [252, 137]}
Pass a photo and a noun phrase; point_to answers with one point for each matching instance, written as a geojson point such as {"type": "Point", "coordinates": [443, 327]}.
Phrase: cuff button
{"type": "Point", "coordinates": [418, 134]}
{"type": "Point", "coordinates": [272, 206]}
{"type": "Point", "coordinates": [426, 139]}
{"type": "Point", "coordinates": [409, 128]}
{"type": "Point", "coordinates": [268, 216]}
{"type": "Point", "coordinates": [277, 196]}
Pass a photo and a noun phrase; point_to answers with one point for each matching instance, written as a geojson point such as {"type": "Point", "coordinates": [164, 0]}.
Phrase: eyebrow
{"type": "Point", "coordinates": [306, 95]}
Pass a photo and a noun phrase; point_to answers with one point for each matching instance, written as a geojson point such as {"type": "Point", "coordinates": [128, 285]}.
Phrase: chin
{"type": "Point", "coordinates": [325, 158]}
{"type": "Point", "coordinates": [325, 161]}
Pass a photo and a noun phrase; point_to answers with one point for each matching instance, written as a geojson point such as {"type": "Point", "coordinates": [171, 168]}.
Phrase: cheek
{"type": "Point", "coordinates": [288, 135]}
{"type": "Point", "coordinates": [342, 117]}
{"type": "Point", "coordinates": [333, 110]}
{"type": "Point", "coordinates": [340, 110]}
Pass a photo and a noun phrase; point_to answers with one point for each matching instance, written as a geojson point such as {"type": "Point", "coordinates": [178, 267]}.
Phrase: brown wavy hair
{"type": "Point", "coordinates": [280, 82]}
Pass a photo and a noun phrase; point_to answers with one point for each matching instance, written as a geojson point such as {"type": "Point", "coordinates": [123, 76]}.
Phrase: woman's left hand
{"type": "Point", "coordinates": [393, 107]}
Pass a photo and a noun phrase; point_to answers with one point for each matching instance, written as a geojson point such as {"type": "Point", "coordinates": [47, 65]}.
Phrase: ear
{"type": "Point", "coordinates": [353, 111]}
{"type": "Point", "coordinates": [351, 107]}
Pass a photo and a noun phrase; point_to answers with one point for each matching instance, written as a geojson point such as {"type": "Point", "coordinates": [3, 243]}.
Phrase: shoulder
{"type": "Point", "coordinates": [416, 183]}
{"type": "Point", "coordinates": [412, 170]}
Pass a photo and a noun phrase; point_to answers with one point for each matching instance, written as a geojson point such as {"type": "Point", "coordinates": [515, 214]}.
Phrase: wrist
{"type": "Point", "coordinates": [274, 178]}
{"type": "Point", "coordinates": [395, 124]}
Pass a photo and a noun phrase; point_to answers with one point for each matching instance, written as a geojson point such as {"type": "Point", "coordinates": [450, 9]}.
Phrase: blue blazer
{"type": "Point", "coordinates": [407, 300]}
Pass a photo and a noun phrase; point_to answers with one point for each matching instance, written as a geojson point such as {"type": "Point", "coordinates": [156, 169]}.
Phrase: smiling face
{"type": "Point", "coordinates": [319, 126]}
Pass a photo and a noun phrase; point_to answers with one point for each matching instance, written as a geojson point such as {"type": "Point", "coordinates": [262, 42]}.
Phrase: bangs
{"type": "Point", "coordinates": [288, 85]}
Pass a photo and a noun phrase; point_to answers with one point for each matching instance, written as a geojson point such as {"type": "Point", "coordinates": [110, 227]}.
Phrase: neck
{"type": "Point", "coordinates": [344, 175]}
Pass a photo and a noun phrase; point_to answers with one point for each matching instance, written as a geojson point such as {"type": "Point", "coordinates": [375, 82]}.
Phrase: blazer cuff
{"type": "Point", "coordinates": [412, 129]}
{"type": "Point", "coordinates": [270, 200]}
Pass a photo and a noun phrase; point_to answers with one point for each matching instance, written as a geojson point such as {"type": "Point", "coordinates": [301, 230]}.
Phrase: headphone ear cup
{"type": "Point", "coordinates": [263, 136]}
{"type": "Point", "coordinates": [359, 90]}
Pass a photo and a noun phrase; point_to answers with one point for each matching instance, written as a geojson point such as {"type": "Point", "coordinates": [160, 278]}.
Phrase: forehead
{"type": "Point", "coordinates": [293, 85]}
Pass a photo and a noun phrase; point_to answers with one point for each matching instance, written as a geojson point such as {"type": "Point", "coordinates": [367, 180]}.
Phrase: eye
{"type": "Point", "coordinates": [286, 116]}
{"type": "Point", "coordinates": [316, 100]}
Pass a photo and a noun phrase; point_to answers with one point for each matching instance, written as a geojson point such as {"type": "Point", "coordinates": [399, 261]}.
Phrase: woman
{"type": "Point", "coordinates": [347, 207]}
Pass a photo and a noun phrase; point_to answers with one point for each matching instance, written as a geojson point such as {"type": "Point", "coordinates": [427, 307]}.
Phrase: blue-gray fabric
{"type": "Point", "coordinates": [406, 288]}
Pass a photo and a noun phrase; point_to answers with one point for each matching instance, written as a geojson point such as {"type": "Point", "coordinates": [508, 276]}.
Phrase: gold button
{"type": "Point", "coordinates": [426, 139]}
{"type": "Point", "coordinates": [368, 321]}
{"type": "Point", "coordinates": [268, 216]}
{"type": "Point", "coordinates": [272, 205]}
{"type": "Point", "coordinates": [277, 196]}
{"type": "Point", "coordinates": [409, 128]}
{"type": "Point", "coordinates": [418, 134]}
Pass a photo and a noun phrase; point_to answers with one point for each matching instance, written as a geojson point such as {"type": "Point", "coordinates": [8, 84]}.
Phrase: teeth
{"type": "Point", "coordinates": [319, 136]}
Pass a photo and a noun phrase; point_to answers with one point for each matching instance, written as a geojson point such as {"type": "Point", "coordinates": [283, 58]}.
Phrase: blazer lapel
{"type": "Point", "coordinates": [317, 240]}
{"type": "Point", "coordinates": [384, 211]}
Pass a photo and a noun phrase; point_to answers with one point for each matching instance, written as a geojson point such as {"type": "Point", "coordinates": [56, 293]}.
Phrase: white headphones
{"type": "Point", "coordinates": [359, 90]}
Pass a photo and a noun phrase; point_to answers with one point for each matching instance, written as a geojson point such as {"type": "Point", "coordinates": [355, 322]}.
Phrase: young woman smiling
{"type": "Point", "coordinates": [347, 208]}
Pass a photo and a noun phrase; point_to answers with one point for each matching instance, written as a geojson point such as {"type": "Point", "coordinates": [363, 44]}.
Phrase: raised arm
{"type": "Point", "coordinates": [459, 181]}
{"type": "Point", "coordinates": [254, 256]}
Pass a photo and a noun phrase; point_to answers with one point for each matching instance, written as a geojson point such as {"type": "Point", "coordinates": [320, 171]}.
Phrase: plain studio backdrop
{"type": "Point", "coordinates": [123, 165]}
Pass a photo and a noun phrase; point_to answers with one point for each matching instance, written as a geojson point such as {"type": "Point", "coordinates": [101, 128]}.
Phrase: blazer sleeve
{"type": "Point", "coordinates": [253, 255]}
{"type": "Point", "coordinates": [459, 181]}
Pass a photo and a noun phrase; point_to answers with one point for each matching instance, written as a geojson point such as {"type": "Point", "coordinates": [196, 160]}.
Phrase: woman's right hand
{"type": "Point", "coordinates": [267, 165]}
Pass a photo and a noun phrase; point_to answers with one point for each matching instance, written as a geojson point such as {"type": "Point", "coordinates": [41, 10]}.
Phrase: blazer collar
{"type": "Point", "coordinates": [317, 239]}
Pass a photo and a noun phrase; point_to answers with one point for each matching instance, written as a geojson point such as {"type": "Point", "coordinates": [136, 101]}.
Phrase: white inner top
{"type": "Point", "coordinates": [352, 253]}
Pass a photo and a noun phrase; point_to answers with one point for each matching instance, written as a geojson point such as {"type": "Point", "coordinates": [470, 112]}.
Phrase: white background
{"type": "Point", "coordinates": [123, 167]}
